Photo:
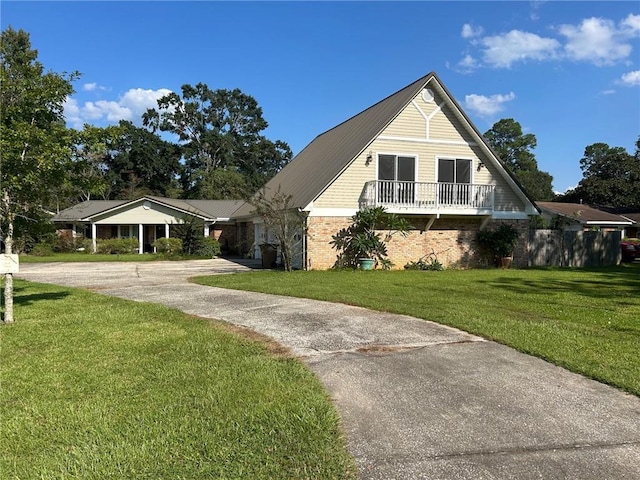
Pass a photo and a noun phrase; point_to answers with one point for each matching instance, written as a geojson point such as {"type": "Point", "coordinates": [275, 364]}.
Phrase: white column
{"type": "Point", "coordinates": [94, 232]}
{"type": "Point", "coordinates": [140, 238]}
{"type": "Point", "coordinates": [166, 230]}
{"type": "Point", "coordinates": [206, 229]}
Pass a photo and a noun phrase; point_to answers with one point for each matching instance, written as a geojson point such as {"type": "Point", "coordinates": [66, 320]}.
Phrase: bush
{"type": "Point", "coordinates": [168, 246]}
{"type": "Point", "coordinates": [209, 247]}
{"type": "Point", "coordinates": [117, 245]}
{"type": "Point", "coordinates": [499, 242]}
{"type": "Point", "coordinates": [42, 250]}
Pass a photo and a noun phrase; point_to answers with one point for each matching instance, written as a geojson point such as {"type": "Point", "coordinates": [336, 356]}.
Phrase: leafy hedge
{"type": "Point", "coordinates": [117, 245]}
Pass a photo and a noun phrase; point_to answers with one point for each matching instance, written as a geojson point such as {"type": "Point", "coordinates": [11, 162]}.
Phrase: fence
{"type": "Point", "coordinates": [574, 249]}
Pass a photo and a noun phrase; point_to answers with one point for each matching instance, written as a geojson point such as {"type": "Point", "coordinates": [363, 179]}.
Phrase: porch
{"type": "Point", "coordinates": [429, 197]}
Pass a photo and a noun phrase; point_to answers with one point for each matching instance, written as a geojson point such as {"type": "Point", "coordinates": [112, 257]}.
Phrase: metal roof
{"type": "Point", "coordinates": [316, 166]}
{"type": "Point", "coordinates": [326, 157]}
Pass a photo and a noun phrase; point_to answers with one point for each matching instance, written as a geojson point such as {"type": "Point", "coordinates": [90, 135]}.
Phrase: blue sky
{"type": "Point", "coordinates": [569, 72]}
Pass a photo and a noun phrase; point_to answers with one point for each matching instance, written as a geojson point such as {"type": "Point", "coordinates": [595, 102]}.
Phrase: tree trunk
{"type": "Point", "coordinates": [8, 278]}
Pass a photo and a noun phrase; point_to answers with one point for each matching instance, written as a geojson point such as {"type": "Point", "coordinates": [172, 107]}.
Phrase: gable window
{"type": "Point", "coordinates": [396, 178]}
{"type": "Point", "coordinates": [454, 175]}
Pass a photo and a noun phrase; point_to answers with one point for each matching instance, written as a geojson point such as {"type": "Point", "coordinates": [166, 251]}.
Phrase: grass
{"type": "Point", "coordinates": [104, 257]}
{"type": "Point", "coordinates": [97, 387]}
{"type": "Point", "coordinates": [585, 320]}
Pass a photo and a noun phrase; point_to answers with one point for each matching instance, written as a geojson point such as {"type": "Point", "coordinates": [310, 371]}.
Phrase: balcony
{"type": "Point", "coordinates": [429, 197]}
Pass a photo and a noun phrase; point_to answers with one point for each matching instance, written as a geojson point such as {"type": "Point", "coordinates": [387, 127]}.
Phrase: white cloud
{"type": "Point", "coordinates": [129, 106]}
{"type": "Point", "coordinates": [631, 78]}
{"type": "Point", "coordinates": [596, 40]}
{"type": "Point", "coordinates": [608, 92]}
{"type": "Point", "coordinates": [599, 41]}
{"type": "Point", "coordinates": [467, 64]}
{"type": "Point", "coordinates": [504, 50]}
{"type": "Point", "coordinates": [469, 32]}
{"type": "Point", "coordinates": [487, 106]}
{"type": "Point", "coordinates": [631, 24]}
{"type": "Point", "coordinates": [90, 87]}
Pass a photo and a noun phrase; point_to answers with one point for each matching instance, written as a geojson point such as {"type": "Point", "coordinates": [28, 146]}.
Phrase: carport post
{"type": "Point", "coordinates": [166, 230]}
{"type": "Point", "coordinates": [140, 239]}
{"type": "Point", "coordinates": [94, 232]}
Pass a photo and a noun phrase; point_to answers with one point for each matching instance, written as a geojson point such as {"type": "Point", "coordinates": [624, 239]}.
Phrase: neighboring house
{"type": "Point", "coordinates": [580, 217]}
{"type": "Point", "coordinates": [147, 219]}
{"type": "Point", "coordinates": [417, 154]}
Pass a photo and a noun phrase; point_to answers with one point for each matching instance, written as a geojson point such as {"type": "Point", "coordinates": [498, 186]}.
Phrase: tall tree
{"type": "Point", "coordinates": [611, 177]}
{"type": "Point", "coordinates": [218, 129]}
{"type": "Point", "coordinates": [141, 163]}
{"type": "Point", "coordinates": [34, 141]}
{"type": "Point", "coordinates": [515, 150]}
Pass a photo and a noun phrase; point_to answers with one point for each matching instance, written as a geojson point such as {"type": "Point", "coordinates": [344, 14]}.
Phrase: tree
{"type": "Point", "coordinates": [283, 220]}
{"type": "Point", "coordinates": [362, 238]}
{"type": "Point", "coordinates": [218, 130]}
{"type": "Point", "coordinates": [34, 141]}
{"type": "Point", "coordinates": [611, 177]}
{"type": "Point", "coordinates": [141, 163]}
{"type": "Point", "coordinates": [514, 149]}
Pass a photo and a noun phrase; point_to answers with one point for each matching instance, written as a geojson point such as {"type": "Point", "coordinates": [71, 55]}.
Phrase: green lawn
{"type": "Point", "coordinates": [585, 320]}
{"type": "Point", "coordinates": [95, 387]}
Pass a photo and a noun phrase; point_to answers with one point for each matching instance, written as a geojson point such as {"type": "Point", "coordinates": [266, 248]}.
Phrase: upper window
{"type": "Point", "coordinates": [454, 170]}
{"type": "Point", "coordinates": [397, 168]}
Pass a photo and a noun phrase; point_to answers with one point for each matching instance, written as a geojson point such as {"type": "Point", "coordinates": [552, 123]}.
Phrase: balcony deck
{"type": "Point", "coordinates": [429, 197]}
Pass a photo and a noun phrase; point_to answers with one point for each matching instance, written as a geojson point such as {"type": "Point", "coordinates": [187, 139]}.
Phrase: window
{"type": "Point", "coordinates": [455, 175]}
{"type": "Point", "coordinates": [454, 170]}
{"type": "Point", "coordinates": [396, 175]}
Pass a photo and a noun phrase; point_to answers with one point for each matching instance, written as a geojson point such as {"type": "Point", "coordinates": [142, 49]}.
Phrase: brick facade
{"type": "Point", "coordinates": [452, 239]}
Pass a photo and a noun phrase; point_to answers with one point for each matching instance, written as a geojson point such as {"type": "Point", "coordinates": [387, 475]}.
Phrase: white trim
{"type": "Point", "coordinates": [333, 212]}
{"type": "Point", "coordinates": [424, 115]}
{"type": "Point", "coordinates": [454, 157]}
{"type": "Point", "coordinates": [505, 215]}
{"type": "Point", "coordinates": [416, 162]}
{"type": "Point", "coordinates": [436, 110]}
{"type": "Point", "coordinates": [427, 140]}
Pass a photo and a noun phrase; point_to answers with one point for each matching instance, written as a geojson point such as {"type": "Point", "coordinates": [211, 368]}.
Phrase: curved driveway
{"type": "Point", "coordinates": [418, 400]}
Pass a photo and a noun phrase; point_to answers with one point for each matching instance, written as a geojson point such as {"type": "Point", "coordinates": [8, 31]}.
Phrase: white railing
{"type": "Point", "coordinates": [428, 195]}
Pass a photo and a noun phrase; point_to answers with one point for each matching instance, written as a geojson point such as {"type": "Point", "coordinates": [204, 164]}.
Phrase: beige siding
{"type": "Point", "coordinates": [156, 214]}
{"type": "Point", "coordinates": [407, 134]}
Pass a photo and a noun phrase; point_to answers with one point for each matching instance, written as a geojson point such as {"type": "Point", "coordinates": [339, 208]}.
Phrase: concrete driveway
{"type": "Point", "coordinates": [418, 400]}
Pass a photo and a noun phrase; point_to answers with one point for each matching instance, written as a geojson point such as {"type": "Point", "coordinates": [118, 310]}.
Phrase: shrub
{"type": "Point", "coordinates": [428, 262]}
{"type": "Point", "coordinates": [42, 250]}
{"type": "Point", "coordinates": [499, 242]}
{"type": "Point", "coordinates": [168, 246]}
{"type": "Point", "coordinates": [363, 240]}
{"type": "Point", "coordinates": [209, 247]}
{"type": "Point", "coordinates": [117, 245]}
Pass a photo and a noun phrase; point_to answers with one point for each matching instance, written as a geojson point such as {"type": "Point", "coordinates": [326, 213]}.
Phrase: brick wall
{"type": "Point", "coordinates": [226, 235]}
{"type": "Point", "coordinates": [452, 239]}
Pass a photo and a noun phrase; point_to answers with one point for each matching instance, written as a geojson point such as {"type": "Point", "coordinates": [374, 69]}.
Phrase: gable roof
{"type": "Point", "coordinates": [326, 157]}
{"type": "Point", "coordinates": [205, 209]}
{"type": "Point", "coordinates": [584, 214]}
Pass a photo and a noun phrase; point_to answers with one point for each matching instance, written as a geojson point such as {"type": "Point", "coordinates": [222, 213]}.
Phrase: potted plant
{"type": "Point", "coordinates": [500, 243]}
{"type": "Point", "coordinates": [361, 245]}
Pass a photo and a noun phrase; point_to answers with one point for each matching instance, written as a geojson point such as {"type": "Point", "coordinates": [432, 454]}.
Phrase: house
{"type": "Point", "coordinates": [417, 154]}
{"type": "Point", "coordinates": [580, 217]}
{"type": "Point", "coordinates": [147, 219]}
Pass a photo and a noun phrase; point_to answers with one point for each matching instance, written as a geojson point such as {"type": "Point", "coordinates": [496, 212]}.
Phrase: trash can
{"type": "Point", "coordinates": [269, 253]}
